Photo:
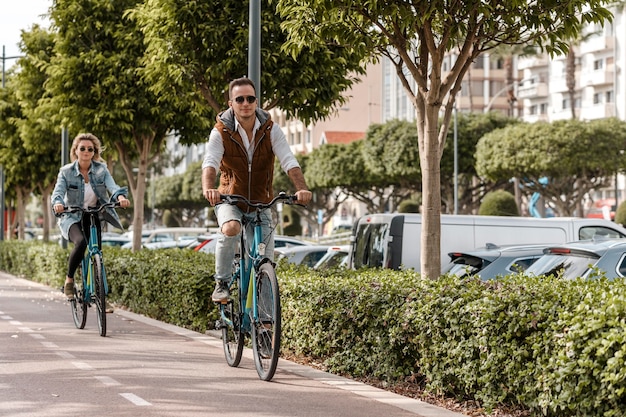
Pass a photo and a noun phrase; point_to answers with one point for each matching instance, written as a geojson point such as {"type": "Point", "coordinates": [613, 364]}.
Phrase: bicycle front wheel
{"type": "Point", "coordinates": [100, 294]}
{"type": "Point", "coordinates": [266, 328]}
{"type": "Point", "coordinates": [78, 304]}
{"type": "Point", "coordinates": [232, 334]}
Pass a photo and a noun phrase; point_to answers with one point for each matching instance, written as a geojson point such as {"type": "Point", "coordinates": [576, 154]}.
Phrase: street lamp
{"type": "Point", "coordinates": [2, 208]}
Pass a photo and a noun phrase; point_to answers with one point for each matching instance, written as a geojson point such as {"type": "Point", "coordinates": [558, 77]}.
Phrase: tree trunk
{"type": "Point", "coordinates": [47, 211]}
{"type": "Point", "coordinates": [431, 195]}
{"type": "Point", "coordinates": [570, 78]}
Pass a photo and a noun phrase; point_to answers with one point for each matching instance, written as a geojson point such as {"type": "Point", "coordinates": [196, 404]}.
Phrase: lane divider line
{"type": "Point", "coordinates": [106, 380]}
{"type": "Point", "coordinates": [135, 399]}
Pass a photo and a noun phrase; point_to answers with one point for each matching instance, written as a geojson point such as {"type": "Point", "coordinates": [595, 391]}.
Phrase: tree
{"type": "Point", "coordinates": [564, 152]}
{"type": "Point", "coordinates": [41, 138]}
{"type": "Point", "coordinates": [416, 37]}
{"type": "Point", "coordinates": [16, 160]}
{"type": "Point", "coordinates": [470, 128]}
{"type": "Point", "coordinates": [196, 48]}
{"type": "Point", "coordinates": [181, 194]}
{"type": "Point", "coordinates": [97, 83]}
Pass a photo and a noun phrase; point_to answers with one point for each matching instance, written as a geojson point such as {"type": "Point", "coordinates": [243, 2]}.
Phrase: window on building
{"type": "Point", "coordinates": [478, 62]}
{"type": "Point", "coordinates": [543, 108]}
{"type": "Point", "coordinates": [532, 110]}
{"type": "Point", "coordinates": [597, 98]}
{"type": "Point", "coordinates": [608, 97]}
{"type": "Point", "coordinates": [598, 64]}
{"type": "Point", "coordinates": [565, 104]}
{"type": "Point", "coordinates": [476, 88]}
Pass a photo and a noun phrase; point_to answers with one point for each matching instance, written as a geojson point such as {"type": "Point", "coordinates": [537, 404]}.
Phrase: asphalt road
{"type": "Point", "coordinates": [144, 367]}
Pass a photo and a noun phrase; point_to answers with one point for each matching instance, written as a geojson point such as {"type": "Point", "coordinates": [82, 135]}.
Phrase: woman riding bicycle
{"type": "Point", "coordinates": [84, 182]}
{"type": "Point", "coordinates": [242, 146]}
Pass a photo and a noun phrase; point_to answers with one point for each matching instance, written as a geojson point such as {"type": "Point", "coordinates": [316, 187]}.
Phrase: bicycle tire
{"type": "Point", "coordinates": [78, 304]}
{"type": "Point", "coordinates": [100, 294]}
{"type": "Point", "coordinates": [266, 329]}
{"type": "Point", "coordinates": [232, 334]}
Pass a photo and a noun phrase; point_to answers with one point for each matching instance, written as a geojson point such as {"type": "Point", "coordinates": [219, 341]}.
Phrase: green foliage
{"type": "Point", "coordinates": [409, 206]}
{"type": "Point", "coordinates": [565, 152]}
{"type": "Point", "coordinates": [169, 285]}
{"type": "Point", "coordinates": [620, 214]}
{"type": "Point", "coordinates": [169, 220]}
{"type": "Point", "coordinates": [551, 346]}
{"type": "Point", "coordinates": [291, 221]}
{"type": "Point", "coordinates": [189, 57]}
{"type": "Point", "coordinates": [499, 203]}
{"type": "Point", "coordinates": [37, 261]}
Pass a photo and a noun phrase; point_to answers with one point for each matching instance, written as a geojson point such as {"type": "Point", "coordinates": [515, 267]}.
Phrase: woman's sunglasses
{"type": "Point", "coordinates": [83, 149]}
{"type": "Point", "coordinates": [241, 99]}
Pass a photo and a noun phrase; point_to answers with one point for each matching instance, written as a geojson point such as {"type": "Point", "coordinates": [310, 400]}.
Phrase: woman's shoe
{"type": "Point", "coordinates": [68, 290]}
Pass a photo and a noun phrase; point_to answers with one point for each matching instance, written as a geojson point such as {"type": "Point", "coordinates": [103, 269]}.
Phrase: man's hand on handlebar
{"type": "Point", "coordinates": [213, 196]}
{"type": "Point", "coordinates": [304, 196]}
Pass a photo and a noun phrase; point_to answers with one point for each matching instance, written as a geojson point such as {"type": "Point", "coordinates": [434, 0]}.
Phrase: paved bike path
{"type": "Point", "coordinates": [42, 356]}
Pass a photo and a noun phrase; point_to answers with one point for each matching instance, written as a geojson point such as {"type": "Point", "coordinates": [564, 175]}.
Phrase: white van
{"type": "Point", "coordinates": [393, 240]}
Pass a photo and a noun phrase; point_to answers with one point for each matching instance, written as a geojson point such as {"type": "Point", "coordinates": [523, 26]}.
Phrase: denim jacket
{"type": "Point", "coordinates": [70, 191]}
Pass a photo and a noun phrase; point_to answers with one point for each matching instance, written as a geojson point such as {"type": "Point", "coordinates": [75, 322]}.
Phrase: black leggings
{"type": "Point", "coordinates": [80, 241]}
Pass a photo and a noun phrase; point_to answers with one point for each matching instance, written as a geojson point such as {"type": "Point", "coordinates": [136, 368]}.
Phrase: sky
{"type": "Point", "coordinates": [18, 15]}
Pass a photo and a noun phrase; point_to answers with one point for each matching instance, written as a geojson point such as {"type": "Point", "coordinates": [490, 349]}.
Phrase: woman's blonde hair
{"type": "Point", "coordinates": [97, 146]}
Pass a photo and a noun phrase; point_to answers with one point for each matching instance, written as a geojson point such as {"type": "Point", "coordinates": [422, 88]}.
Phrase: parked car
{"type": "Point", "coordinates": [206, 243]}
{"type": "Point", "coordinates": [492, 261]}
{"type": "Point", "coordinates": [335, 257]}
{"type": "Point", "coordinates": [114, 239]}
{"type": "Point", "coordinates": [307, 255]}
{"type": "Point", "coordinates": [166, 237]}
{"type": "Point", "coordinates": [580, 259]}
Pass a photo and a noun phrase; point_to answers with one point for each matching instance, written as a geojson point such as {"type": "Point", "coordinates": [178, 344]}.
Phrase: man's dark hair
{"type": "Point", "coordinates": [240, 81]}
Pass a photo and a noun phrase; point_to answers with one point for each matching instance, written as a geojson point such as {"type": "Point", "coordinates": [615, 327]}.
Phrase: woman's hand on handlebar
{"type": "Point", "coordinates": [124, 202]}
{"type": "Point", "coordinates": [58, 208]}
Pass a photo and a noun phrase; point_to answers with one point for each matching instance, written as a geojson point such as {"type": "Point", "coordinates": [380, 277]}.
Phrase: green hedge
{"type": "Point", "coordinates": [554, 347]}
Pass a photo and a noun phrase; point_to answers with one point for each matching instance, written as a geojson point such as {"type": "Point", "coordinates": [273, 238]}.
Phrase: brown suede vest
{"type": "Point", "coordinates": [254, 180]}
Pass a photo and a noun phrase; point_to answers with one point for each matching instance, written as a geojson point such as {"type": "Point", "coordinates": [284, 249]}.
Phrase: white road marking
{"type": "Point", "coordinates": [15, 323]}
{"type": "Point", "coordinates": [50, 345]}
{"type": "Point", "coordinates": [107, 380]}
{"type": "Point", "coordinates": [82, 365]}
{"type": "Point", "coordinates": [6, 317]}
{"type": "Point", "coordinates": [65, 355]}
{"type": "Point", "coordinates": [134, 399]}
{"type": "Point", "coordinates": [36, 336]}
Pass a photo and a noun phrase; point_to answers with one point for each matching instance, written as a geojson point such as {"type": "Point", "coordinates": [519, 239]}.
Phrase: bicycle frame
{"type": "Point", "coordinates": [93, 287]}
{"type": "Point", "coordinates": [247, 265]}
{"type": "Point", "coordinates": [255, 309]}
{"type": "Point", "coordinates": [93, 248]}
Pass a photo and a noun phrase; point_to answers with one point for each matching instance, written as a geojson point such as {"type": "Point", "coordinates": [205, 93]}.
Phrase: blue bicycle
{"type": "Point", "coordinates": [92, 288]}
{"type": "Point", "coordinates": [254, 305]}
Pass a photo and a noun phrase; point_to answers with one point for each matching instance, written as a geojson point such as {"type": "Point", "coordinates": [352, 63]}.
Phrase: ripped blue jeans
{"type": "Point", "coordinates": [227, 246]}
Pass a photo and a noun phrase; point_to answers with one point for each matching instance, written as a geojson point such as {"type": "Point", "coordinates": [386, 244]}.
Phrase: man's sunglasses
{"type": "Point", "coordinates": [241, 99]}
{"type": "Point", "coordinates": [83, 149]}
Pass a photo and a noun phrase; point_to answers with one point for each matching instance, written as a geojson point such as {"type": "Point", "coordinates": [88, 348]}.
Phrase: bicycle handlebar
{"type": "Point", "coordinates": [235, 198]}
{"type": "Point", "coordinates": [76, 209]}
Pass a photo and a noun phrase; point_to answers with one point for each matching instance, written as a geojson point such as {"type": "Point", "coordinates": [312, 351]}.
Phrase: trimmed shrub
{"type": "Point", "coordinates": [409, 206]}
{"type": "Point", "coordinates": [550, 346]}
{"type": "Point", "coordinates": [498, 203]}
{"type": "Point", "coordinates": [620, 214]}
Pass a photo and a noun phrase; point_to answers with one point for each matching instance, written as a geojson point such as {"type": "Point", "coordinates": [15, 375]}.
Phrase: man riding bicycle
{"type": "Point", "coordinates": [242, 146]}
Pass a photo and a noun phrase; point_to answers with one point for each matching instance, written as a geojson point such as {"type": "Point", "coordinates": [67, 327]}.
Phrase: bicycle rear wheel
{"type": "Point", "coordinates": [78, 304]}
{"type": "Point", "coordinates": [232, 335]}
{"type": "Point", "coordinates": [266, 329]}
{"type": "Point", "coordinates": [100, 294]}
